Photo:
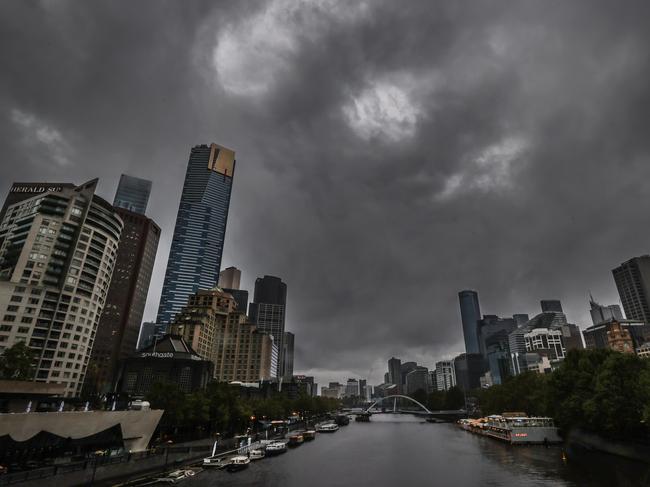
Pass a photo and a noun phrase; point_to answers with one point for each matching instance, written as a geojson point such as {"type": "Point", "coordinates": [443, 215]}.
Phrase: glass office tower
{"type": "Point", "coordinates": [132, 194]}
{"type": "Point", "coordinates": [195, 256]}
{"type": "Point", "coordinates": [470, 313]}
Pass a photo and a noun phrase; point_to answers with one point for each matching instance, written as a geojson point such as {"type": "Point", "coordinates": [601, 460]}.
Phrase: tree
{"type": "Point", "coordinates": [455, 398]}
{"type": "Point", "coordinates": [16, 362]}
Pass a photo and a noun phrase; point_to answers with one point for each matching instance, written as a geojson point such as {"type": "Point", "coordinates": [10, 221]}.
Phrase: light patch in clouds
{"type": "Point", "coordinates": [50, 138]}
{"type": "Point", "coordinates": [384, 109]}
{"type": "Point", "coordinates": [490, 170]}
{"type": "Point", "coordinates": [251, 55]}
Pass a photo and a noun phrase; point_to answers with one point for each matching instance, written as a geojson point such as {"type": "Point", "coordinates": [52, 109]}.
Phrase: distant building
{"type": "Point", "coordinates": [644, 350]}
{"type": "Point", "coordinates": [623, 335]}
{"type": "Point", "coordinates": [405, 368]}
{"type": "Point", "coordinates": [470, 313]}
{"type": "Point", "coordinates": [268, 311]}
{"type": "Point", "coordinates": [417, 380]}
{"type": "Point", "coordinates": [491, 324]}
{"type": "Point", "coordinates": [352, 388]}
{"type": "Point", "coordinates": [241, 298]}
{"type": "Point", "coordinates": [395, 373]}
{"type": "Point", "coordinates": [288, 344]}
{"type": "Point", "coordinates": [498, 357]}
{"type": "Point", "coordinates": [600, 313]}
{"type": "Point", "coordinates": [132, 194]}
{"type": "Point", "coordinates": [633, 283]}
{"type": "Point", "coordinates": [229, 278]}
{"type": "Point", "coordinates": [546, 341]}
{"type": "Point", "coordinates": [150, 332]}
{"type": "Point", "coordinates": [310, 388]}
{"type": "Point", "coordinates": [172, 360]}
{"type": "Point", "coordinates": [195, 254]}
{"type": "Point", "coordinates": [551, 305]}
{"type": "Point", "coordinates": [469, 367]}
{"type": "Point", "coordinates": [445, 375]}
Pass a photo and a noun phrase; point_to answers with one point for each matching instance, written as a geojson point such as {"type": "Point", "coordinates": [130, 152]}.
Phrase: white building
{"type": "Point", "coordinates": [445, 375]}
{"type": "Point", "coordinates": [57, 253]}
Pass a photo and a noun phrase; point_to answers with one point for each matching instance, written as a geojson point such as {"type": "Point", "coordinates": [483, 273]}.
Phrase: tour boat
{"type": "Point", "coordinates": [514, 429]}
{"type": "Point", "coordinates": [296, 439]}
{"type": "Point", "coordinates": [276, 447]}
{"type": "Point", "coordinates": [327, 428]}
{"type": "Point", "coordinates": [238, 463]}
{"type": "Point", "coordinates": [342, 419]}
{"type": "Point", "coordinates": [309, 435]}
{"type": "Point", "coordinates": [256, 454]}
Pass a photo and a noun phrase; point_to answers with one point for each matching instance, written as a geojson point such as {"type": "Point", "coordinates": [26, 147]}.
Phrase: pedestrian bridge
{"type": "Point", "coordinates": [389, 405]}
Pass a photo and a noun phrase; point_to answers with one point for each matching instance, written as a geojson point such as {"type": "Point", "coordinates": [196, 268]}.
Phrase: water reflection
{"type": "Point", "coordinates": [403, 450]}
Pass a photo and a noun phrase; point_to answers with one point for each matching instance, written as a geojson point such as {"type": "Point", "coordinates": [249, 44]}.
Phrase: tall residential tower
{"type": "Point", "coordinates": [195, 256]}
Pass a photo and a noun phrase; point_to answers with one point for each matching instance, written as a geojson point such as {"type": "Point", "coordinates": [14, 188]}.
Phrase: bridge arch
{"type": "Point", "coordinates": [396, 396]}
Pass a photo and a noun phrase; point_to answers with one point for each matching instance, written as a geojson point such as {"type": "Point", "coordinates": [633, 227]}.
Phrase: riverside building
{"type": "Point", "coordinates": [59, 249]}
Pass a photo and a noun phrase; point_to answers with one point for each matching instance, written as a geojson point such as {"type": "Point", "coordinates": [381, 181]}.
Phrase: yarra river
{"type": "Point", "coordinates": [405, 451]}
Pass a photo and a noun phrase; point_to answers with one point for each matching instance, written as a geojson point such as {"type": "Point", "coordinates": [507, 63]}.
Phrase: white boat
{"type": "Point", "coordinates": [327, 428]}
{"type": "Point", "coordinates": [175, 476]}
{"type": "Point", "coordinates": [215, 462]}
{"type": "Point", "coordinates": [256, 454]}
{"type": "Point", "coordinates": [276, 447]}
{"type": "Point", "coordinates": [238, 463]}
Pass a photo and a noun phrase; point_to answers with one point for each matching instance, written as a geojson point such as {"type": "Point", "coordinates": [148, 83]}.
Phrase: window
{"type": "Point", "coordinates": [9, 318]}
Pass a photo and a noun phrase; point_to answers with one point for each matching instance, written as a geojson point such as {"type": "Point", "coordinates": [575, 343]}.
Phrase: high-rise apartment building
{"type": "Point", "coordinates": [633, 283]}
{"type": "Point", "coordinates": [287, 353]}
{"type": "Point", "coordinates": [267, 311]}
{"type": "Point", "coordinates": [470, 314]}
{"type": "Point", "coordinates": [119, 326]}
{"type": "Point", "coordinates": [229, 278]}
{"type": "Point", "coordinates": [132, 194]}
{"type": "Point", "coordinates": [206, 313]}
{"type": "Point", "coordinates": [195, 255]}
{"type": "Point", "coordinates": [59, 249]}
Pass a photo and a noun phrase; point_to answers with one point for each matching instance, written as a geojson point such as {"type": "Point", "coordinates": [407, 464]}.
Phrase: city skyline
{"type": "Point", "coordinates": [518, 207]}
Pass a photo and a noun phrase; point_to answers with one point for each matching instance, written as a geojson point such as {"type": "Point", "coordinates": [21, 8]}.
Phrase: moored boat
{"type": "Point", "coordinates": [238, 463]}
{"type": "Point", "coordinates": [309, 435]}
{"type": "Point", "coordinates": [175, 476]}
{"type": "Point", "coordinates": [256, 454]}
{"type": "Point", "coordinates": [215, 462]}
{"type": "Point", "coordinates": [327, 428]}
{"type": "Point", "coordinates": [296, 440]}
{"type": "Point", "coordinates": [275, 448]}
{"type": "Point", "coordinates": [342, 419]}
{"type": "Point", "coordinates": [516, 430]}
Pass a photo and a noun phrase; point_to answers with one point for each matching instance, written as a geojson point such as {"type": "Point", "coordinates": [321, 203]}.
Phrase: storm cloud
{"type": "Point", "coordinates": [389, 153]}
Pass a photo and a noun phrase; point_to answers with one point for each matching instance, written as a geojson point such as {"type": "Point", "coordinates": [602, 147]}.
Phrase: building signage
{"type": "Point", "coordinates": [157, 354]}
{"type": "Point", "coordinates": [35, 189]}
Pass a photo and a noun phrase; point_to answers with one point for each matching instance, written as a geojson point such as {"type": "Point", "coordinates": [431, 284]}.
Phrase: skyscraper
{"type": "Point", "coordinates": [229, 278]}
{"type": "Point", "coordinates": [289, 339]}
{"type": "Point", "coordinates": [119, 326]}
{"type": "Point", "coordinates": [132, 194]}
{"type": "Point", "coordinates": [633, 283]}
{"type": "Point", "coordinates": [56, 262]}
{"type": "Point", "coordinates": [470, 314]}
{"type": "Point", "coordinates": [195, 255]}
{"type": "Point", "coordinates": [551, 306]}
{"type": "Point", "coordinates": [395, 373]}
{"type": "Point", "coordinates": [268, 309]}
{"type": "Point", "coordinates": [600, 313]}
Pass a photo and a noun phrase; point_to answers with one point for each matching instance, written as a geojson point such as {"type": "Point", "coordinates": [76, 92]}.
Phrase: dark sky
{"type": "Point", "coordinates": [389, 153]}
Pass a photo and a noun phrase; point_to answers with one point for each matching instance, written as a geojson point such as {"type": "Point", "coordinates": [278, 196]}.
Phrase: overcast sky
{"type": "Point", "coordinates": [389, 153]}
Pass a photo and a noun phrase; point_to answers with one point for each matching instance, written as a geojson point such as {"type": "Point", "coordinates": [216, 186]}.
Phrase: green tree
{"type": "Point", "coordinates": [16, 362]}
{"type": "Point", "coordinates": [455, 398]}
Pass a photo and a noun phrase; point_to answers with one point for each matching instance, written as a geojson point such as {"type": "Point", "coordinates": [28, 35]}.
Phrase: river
{"type": "Point", "coordinates": [405, 451]}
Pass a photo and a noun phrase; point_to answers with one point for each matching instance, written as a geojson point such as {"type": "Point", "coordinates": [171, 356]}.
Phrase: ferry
{"type": "Point", "coordinates": [327, 428]}
{"type": "Point", "coordinates": [238, 463]}
{"type": "Point", "coordinates": [175, 476]}
{"type": "Point", "coordinates": [215, 462]}
{"type": "Point", "coordinates": [515, 429]}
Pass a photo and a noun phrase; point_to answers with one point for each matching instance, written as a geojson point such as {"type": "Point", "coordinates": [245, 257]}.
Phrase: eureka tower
{"type": "Point", "coordinates": [195, 256]}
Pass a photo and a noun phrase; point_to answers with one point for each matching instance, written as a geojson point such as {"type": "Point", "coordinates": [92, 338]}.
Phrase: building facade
{"type": "Point", "coordinates": [633, 283]}
{"type": "Point", "coordinates": [59, 249]}
{"type": "Point", "coordinates": [229, 278]}
{"type": "Point", "coordinates": [445, 375]}
{"type": "Point", "coordinates": [395, 373]}
{"type": "Point", "coordinates": [600, 313]}
{"type": "Point", "coordinates": [172, 360]}
{"type": "Point", "coordinates": [470, 314]}
{"type": "Point", "coordinates": [119, 325]}
{"type": "Point", "coordinates": [287, 352]}
{"type": "Point", "coordinates": [620, 335]}
{"type": "Point", "coordinates": [417, 380]}
{"type": "Point", "coordinates": [197, 245]}
{"type": "Point", "coordinates": [268, 311]}
{"type": "Point", "coordinates": [132, 194]}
